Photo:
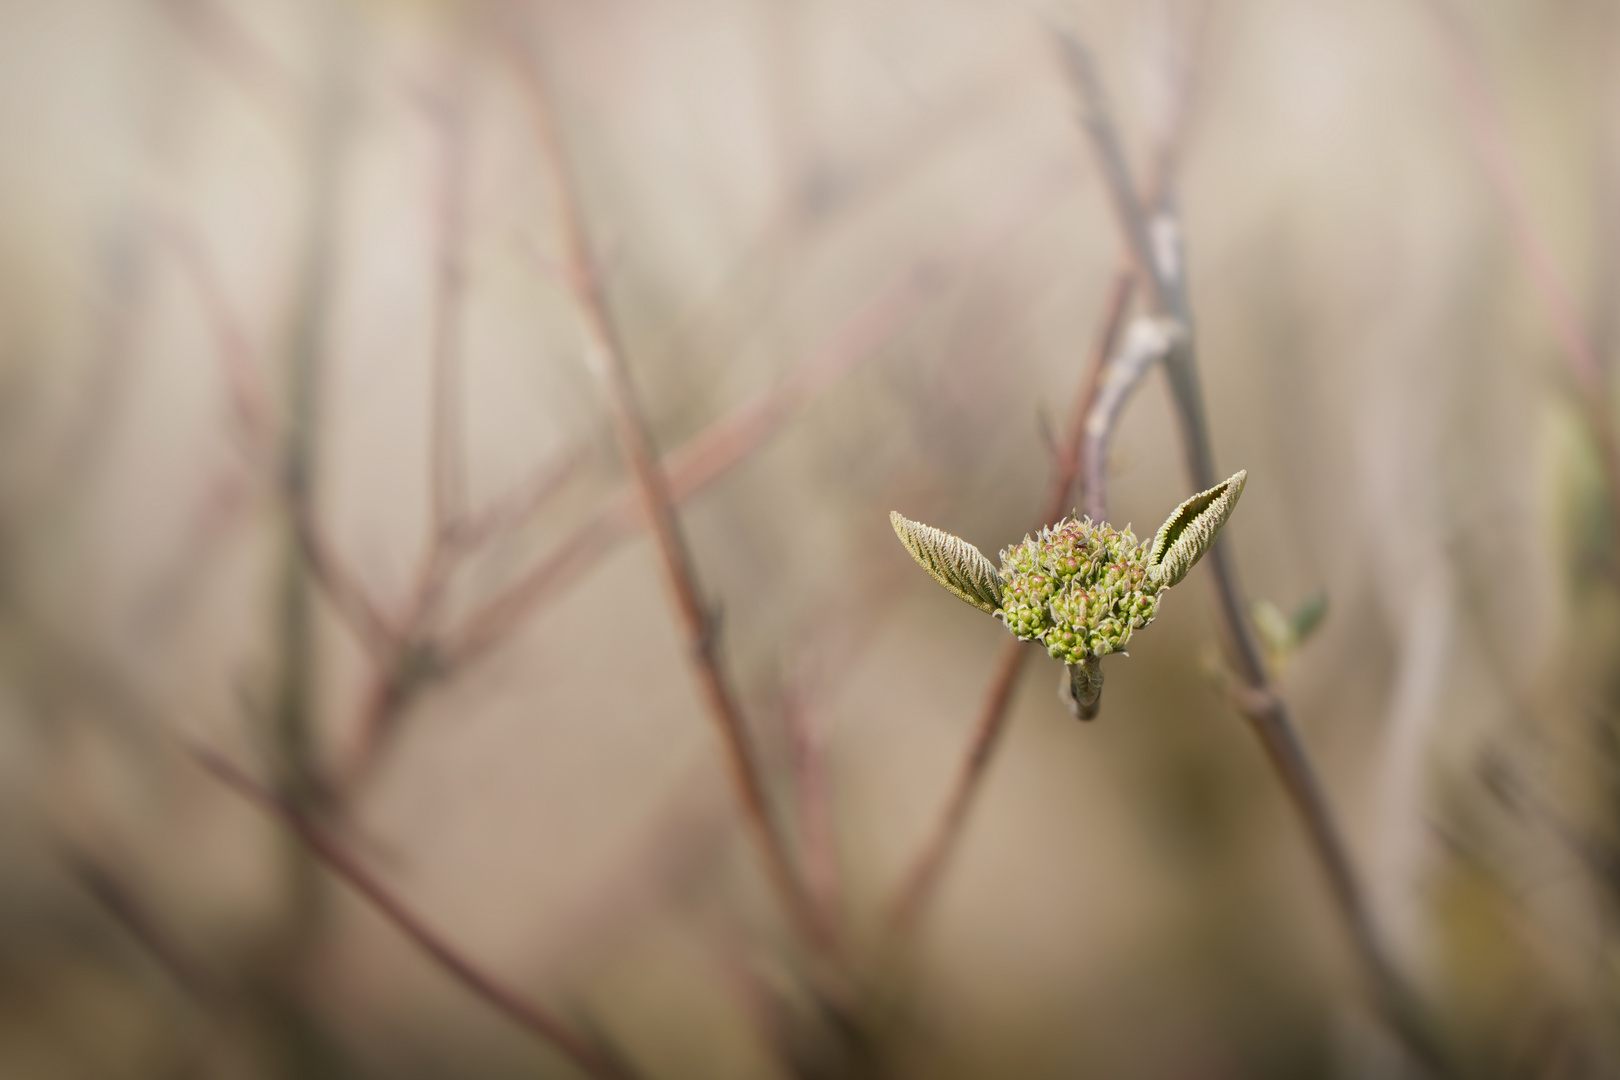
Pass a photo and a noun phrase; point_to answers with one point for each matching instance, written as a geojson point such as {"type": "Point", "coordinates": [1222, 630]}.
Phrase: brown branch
{"type": "Point", "coordinates": [1147, 342]}
{"type": "Point", "coordinates": [1158, 258]}
{"type": "Point", "coordinates": [125, 907]}
{"type": "Point", "coordinates": [339, 584]}
{"type": "Point", "coordinates": [1488, 130]}
{"type": "Point", "coordinates": [924, 874]}
{"type": "Point", "coordinates": [533, 1017]}
{"type": "Point", "coordinates": [238, 359]}
{"type": "Point", "coordinates": [813, 810]}
{"type": "Point", "coordinates": [522, 502]}
{"type": "Point", "coordinates": [250, 408]}
{"type": "Point", "coordinates": [447, 443]}
{"type": "Point", "coordinates": [241, 57]}
{"type": "Point", "coordinates": [605, 354]}
{"type": "Point", "coordinates": [700, 461]}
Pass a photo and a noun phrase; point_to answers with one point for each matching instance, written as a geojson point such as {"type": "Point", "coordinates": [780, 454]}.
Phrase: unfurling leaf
{"type": "Point", "coordinates": [1189, 532]}
{"type": "Point", "coordinates": [951, 561]}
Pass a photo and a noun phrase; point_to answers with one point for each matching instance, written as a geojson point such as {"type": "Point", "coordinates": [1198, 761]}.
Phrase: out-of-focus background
{"type": "Point", "coordinates": [304, 463]}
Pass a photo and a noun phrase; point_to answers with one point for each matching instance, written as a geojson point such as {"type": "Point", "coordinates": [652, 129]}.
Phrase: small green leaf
{"type": "Point", "coordinates": [1282, 635]}
{"type": "Point", "coordinates": [951, 561]}
{"type": "Point", "coordinates": [1274, 628]}
{"type": "Point", "coordinates": [1189, 532]}
{"type": "Point", "coordinates": [1309, 615]}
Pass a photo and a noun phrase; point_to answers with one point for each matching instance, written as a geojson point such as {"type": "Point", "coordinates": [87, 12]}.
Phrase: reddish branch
{"type": "Point", "coordinates": [1488, 131]}
{"type": "Point", "coordinates": [590, 1058]}
{"type": "Point", "coordinates": [126, 907]}
{"type": "Point", "coordinates": [702, 460]}
{"type": "Point", "coordinates": [924, 873]}
{"type": "Point", "coordinates": [605, 353]}
{"type": "Point", "coordinates": [1153, 233]}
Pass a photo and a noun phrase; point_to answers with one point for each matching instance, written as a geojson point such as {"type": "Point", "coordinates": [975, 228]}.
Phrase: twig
{"type": "Point", "coordinates": [1146, 343]}
{"type": "Point", "coordinates": [296, 675]}
{"type": "Point", "coordinates": [519, 504]}
{"type": "Point", "coordinates": [250, 408]}
{"type": "Point", "coordinates": [604, 351]}
{"type": "Point", "coordinates": [1488, 131]}
{"type": "Point", "coordinates": [920, 881]}
{"type": "Point", "coordinates": [813, 805]}
{"type": "Point", "coordinates": [1157, 255]}
{"type": "Point", "coordinates": [700, 461]}
{"type": "Point", "coordinates": [338, 583]}
{"type": "Point", "coordinates": [237, 357]}
{"type": "Point", "coordinates": [241, 58]}
{"type": "Point", "coordinates": [402, 667]}
{"type": "Point", "coordinates": [126, 908]}
{"type": "Point", "coordinates": [447, 445]}
{"type": "Point", "coordinates": [331, 854]}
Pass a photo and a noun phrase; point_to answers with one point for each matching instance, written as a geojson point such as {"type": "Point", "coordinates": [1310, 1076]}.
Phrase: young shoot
{"type": "Point", "coordinates": [1081, 588]}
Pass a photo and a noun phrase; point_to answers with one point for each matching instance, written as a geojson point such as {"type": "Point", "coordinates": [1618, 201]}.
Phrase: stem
{"type": "Point", "coordinates": [1488, 131]}
{"type": "Point", "coordinates": [605, 352]}
{"type": "Point", "coordinates": [1158, 258]}
{"type": "Point", "coordinates": [701, 460]}
{"type": "Point", "coordinates": [921, 880]}
{"type": "Point", "coordinates": [331, 854]}
{"type": "Point", "coordinates": [447, 448]}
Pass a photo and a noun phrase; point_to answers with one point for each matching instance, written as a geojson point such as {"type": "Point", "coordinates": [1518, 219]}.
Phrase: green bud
{"type": "Point", "coordinates": [1080, 588]}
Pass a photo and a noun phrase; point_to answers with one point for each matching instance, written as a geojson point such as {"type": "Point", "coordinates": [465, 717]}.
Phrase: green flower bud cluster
{"type": "Point", "coordinates": [1079, 588]}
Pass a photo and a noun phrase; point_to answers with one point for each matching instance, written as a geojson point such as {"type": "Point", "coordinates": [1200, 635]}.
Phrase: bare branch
{"type": "Point", "coordinates": [702, 460]}
{"type": "Point", "coordinates": [1097, 118]}
{"type": "Point", "coordinates": [605, 353]}
{"type": "Point", "coordinates": [251, 410]}
{"type": "Point", "coordinates": [1156, 248]}
{"type": "Point", "coordinates": [1146, 343]}
{"type": "Point", "coordinates": [511, 509]}
{"type": "Point", "coordinates": [447, 442]}
{"type": "Point", "coordinates": [238, 359]}
{"type": "Point", "coordinates": [813, 810]}
{"type": "Point", "coordinates": [339, 585]}
{"type": "Point", "coordinates": [125, 907]}
{"type": "Point", "coordinates": [241, 58]}
{"type": "Point", "coordinates": [1488, 130]}
{"type": "Point", "coordinates": [535, 1018]}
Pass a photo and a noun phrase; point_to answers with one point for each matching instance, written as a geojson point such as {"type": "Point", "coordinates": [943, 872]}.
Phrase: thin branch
{"type": "Point", "coordinates": [238, 359]}
{"type": "Point", "coordinates": [1146, 343]}
{"type": "Point", "coordinates": [125, 907]}
{"type": "Point", "coordinates": [251, 411]}
{"type": "Point", "coordinates": [339, 585]}
{"type": "Point", "coordinates": [1097, 119]}
{"type": "Point", "coordinates": [807, 742]}
{"type": "Point", "coordinates": [1156, 245]}
{"type": "Point", "coordinates": [331, 854]}
{"type": "Point", "coordinates": [1488, 130]}
{"type": "Point", "coordinates": [725, 442]}
{"type": "Point", "coordinates": [447, 443]}
{"type": "Point", "coordinates": [700, 461]}
{"type": "Point", "coordinates": [605, 353]}
{"type": "Point", "coordinates": [241, 58]}
{"type": "Point", "coordinates": [923, 876]}
{"type": "Point", "coordinates": [521, 503]}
